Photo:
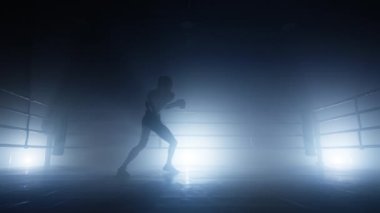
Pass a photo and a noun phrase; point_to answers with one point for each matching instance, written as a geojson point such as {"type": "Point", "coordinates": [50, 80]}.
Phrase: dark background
{"type": "Point", "coordinates": [118, 49]}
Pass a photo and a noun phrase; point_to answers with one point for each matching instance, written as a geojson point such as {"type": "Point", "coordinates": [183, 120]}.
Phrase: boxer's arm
{"type": "Point", "coordinates": [178, 103]}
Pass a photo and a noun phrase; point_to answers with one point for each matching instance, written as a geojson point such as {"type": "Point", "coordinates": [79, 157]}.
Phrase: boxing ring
{"type": "Point", "coordinates": [351, 123]}
{"type": "Point", "coordinates": [342, 134]}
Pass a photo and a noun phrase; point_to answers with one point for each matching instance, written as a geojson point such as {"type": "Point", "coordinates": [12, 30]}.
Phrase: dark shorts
{"type": "Point", "coordinates": [151, 120]}
{"type": "Point", "coordinates": [154, 123]}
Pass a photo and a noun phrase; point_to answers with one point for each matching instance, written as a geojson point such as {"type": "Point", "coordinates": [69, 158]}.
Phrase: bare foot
{"type": "Point", "coordinates": [170, 168]}
{"type": "Point", "coordinates": [122, 173]}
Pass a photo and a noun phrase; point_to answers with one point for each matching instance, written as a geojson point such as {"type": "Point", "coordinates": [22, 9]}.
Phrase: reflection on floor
{"type": "Point", "coordinates": [63, 190]}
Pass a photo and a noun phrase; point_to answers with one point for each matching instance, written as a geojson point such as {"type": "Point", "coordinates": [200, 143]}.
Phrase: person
{"type": "Point", "coordinates": [158, 99]}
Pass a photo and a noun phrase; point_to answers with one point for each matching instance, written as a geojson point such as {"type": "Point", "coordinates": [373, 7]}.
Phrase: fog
{"type": "Point", "coordinates": [271, 89]}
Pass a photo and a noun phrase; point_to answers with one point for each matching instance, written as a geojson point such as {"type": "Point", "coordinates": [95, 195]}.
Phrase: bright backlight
{"type": "Point", "coordinates": [26, 158]}
{"type": "Point", "coordinates": [338, 159]}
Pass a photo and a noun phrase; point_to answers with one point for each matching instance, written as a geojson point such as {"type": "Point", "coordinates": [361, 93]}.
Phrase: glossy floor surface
{"type": "Point", "coordinates": [63, 190]}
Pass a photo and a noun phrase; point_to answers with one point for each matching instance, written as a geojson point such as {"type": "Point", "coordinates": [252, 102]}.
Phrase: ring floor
{"type": "Point", "coordinates": [195, 190]}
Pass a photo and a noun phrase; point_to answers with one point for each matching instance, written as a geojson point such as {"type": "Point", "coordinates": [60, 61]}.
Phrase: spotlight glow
{"type": "Point", "coordinates": [338, 159]}
{"type": "Point", "coordinates": [28, 161]}
{"type": "Point", "coordinates": [26, 158]}
{"type": "Point", "coordinates": [192, 158]}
